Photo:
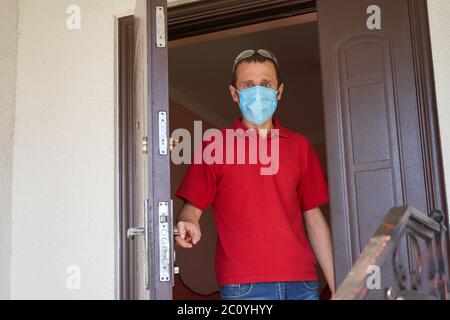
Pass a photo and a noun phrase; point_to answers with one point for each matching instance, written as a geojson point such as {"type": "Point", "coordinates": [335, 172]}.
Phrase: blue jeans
{"type": "Point", "coordinates": [300, 290]}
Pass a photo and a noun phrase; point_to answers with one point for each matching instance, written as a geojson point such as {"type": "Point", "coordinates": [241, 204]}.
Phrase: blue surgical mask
{"type": "Point", "coordinates": [258, 104]}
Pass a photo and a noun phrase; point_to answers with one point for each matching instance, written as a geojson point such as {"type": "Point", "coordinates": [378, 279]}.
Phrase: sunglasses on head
{"type": "Point", "coordinates": [249, 53]}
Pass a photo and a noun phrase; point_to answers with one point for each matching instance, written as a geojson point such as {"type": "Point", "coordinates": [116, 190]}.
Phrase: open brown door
{"type": "Point", "coordinates": [376, 158]}
{"type": "Point", "coordinates": [151, 234]}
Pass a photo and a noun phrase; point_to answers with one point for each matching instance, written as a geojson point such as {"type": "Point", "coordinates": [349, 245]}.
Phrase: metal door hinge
{"type": "Point", "coordinates": [173, 143]}
{"type": "Point", "coordinates": [145, 145]}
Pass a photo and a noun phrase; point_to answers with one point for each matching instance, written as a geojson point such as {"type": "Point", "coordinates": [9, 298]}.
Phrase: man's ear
{"type": "Point", "coordinates": [280, 91]}
{"type": "Point", "coordinates": [234, 94]}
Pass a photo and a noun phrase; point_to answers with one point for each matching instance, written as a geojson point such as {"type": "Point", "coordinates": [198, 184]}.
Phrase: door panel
{"type": "Point", "coordinates": [372, 124]}
{"type": "Point", "coordinates": [151, 187]}
{"type": "Point", "coordinates": [140, 179]}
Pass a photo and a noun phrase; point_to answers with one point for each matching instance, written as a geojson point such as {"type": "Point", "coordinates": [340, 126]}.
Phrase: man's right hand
{"type": "Point", "coordinates": [190, 234]}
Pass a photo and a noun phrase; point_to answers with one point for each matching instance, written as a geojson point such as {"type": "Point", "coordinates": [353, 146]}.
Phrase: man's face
{"type": "Point", "coordinates": [255, 74]}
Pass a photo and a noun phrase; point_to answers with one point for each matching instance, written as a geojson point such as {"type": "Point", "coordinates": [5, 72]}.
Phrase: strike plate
{"type": "Point", "coordinates": [165, 271]}
{"type": "Point", "coordinates": [163, 142]}
{"type": "Point", "coordinates": [160, 28]}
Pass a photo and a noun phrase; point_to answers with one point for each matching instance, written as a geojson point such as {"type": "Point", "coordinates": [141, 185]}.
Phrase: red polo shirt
{"type": "Point", "coordinates": [261, 237]}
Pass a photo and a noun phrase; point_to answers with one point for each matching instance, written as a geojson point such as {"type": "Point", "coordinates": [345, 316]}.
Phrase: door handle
{"type": "Point", "coordinates": [134, 232]}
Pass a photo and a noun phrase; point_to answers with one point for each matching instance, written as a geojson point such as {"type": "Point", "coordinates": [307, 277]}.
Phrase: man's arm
{"type": "Point", "coordinates": [320, 239]}
{"type": "Point", "coordinates": [189, 226]}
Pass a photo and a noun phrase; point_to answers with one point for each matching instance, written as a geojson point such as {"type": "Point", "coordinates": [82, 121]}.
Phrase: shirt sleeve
{"type": "Point", "coordinates": [198, 186]}
{"type": "Point", "coordinates": [313, 188]}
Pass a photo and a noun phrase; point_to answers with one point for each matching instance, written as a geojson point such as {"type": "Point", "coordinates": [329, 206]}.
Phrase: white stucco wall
{"type": "Point", "coordinates": [64, 176]}
{"type": "Point", "coordinates": [8, 65]}
{"type": "Point", "coordinates": [439, 13]}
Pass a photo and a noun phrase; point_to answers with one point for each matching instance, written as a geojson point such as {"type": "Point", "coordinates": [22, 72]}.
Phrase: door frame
{"type": "Point", "coordinates": [126, 164]}
{"type": "Point", "coordinates": [202, 17]}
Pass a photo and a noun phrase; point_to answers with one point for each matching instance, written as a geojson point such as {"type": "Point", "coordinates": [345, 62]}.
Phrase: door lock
{"type": "Point", "coordinates": [165, 245]}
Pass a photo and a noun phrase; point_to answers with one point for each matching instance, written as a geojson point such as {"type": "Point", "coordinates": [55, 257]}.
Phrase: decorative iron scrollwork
{"type": "Point", "coordinates": [409, 283]}
{"type": "Point", "coordinates": [403, 274]}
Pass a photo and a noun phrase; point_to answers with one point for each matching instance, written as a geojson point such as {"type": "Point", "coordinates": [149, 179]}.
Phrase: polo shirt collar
{"type": "Point", "coordinates": [282, 132]}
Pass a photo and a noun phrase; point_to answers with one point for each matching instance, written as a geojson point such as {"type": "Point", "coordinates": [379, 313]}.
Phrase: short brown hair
{"type": "Point", "coordinates": [256, 58]}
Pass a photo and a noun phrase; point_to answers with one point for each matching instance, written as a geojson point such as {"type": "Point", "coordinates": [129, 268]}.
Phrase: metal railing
{"type": "Point", "coordinates": [403, 223]}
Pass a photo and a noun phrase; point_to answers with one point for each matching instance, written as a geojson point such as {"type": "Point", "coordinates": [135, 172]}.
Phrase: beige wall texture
{"type": "Point", "coordinates": [439, 13]}
{"type": "Point", "coordinates": [8, 64]}
{"type": "Point", "coordinates": [64, 194]}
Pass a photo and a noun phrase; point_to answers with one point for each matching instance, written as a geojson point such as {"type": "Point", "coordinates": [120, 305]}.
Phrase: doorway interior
{"type": "Point", "coordinates": [205, 38]}
{"type": "Point", "coordinates": [199, 75]}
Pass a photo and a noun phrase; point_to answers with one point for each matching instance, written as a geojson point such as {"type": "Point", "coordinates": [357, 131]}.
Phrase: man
{"type": "Point", "coordinates": [262, 250]}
